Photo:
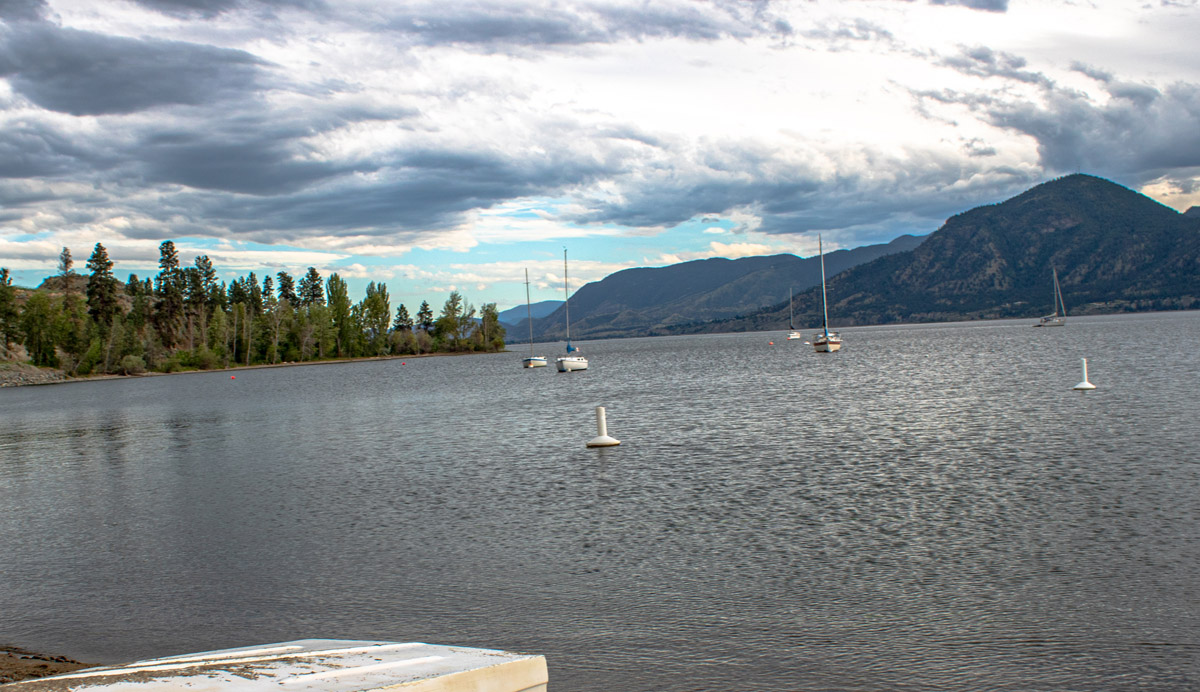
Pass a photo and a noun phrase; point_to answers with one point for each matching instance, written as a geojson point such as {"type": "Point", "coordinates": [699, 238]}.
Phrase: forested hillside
{"type": "Point", "coordinates": [184, 318]}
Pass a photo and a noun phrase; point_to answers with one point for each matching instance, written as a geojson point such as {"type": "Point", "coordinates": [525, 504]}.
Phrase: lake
{"type": "Point", "coordinates": [932, 508]}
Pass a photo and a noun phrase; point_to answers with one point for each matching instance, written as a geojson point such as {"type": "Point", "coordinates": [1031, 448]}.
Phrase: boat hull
{"type": "Point", "coordinates": [571, 363]}
{"type": "Point", "coordinates": [830, 344]}
{"type": "Point", "coordinates": [535, 362]}
{"type": "Point", "coordinates": [792, 336]}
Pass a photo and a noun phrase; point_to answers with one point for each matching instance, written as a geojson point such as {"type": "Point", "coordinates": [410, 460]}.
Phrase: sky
{"type": "Point", "coordinates": [440, 146]}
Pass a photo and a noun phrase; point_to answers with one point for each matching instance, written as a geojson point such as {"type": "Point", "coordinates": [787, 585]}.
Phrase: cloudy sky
{"type": "Point", "coordinates": [449, 145]}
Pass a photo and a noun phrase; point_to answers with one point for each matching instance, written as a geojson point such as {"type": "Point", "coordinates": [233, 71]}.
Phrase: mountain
{"type": "Point", "coordinates": [517, 315]}
{"type": "Point", "coordinates": [1192, 213]}
{"type": "Point", "coordinates": [647, 301]}
{"type": "Point", "coordinates": [1115, 250]}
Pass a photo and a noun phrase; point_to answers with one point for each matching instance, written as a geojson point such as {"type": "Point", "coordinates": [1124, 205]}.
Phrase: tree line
{"type": "Point", "coordinates": [184, 318]}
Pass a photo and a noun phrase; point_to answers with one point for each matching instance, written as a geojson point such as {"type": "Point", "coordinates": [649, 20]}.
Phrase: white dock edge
{"type": "Point", "coordinates": [325, 665]}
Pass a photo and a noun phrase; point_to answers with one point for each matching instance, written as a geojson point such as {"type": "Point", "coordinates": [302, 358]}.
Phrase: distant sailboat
{"type": "Point", "coordinates": [1058, 319]}
{"type": "Point", "coordinates": [532, 361]}
{"type": "Point", "coordinates": [825, 341]}
{"type": "Point", "coordinates": [793, 334]}
{"type": "Point", "coordinates": [569, 362]}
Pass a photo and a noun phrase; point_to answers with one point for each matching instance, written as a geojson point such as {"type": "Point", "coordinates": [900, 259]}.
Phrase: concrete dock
{"type": "Point", "coordinates": [313, 665]}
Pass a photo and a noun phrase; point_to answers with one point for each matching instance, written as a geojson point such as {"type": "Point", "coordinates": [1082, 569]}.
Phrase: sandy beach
{"type": "Point", "coordinates": [18, 664]}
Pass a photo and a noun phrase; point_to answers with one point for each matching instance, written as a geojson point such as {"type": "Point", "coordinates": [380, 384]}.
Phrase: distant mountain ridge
{"type": "Point", "coordinates": [646, 301]}
{"type": "Point", "coordinates": [518, 315]}
{"type": "Point", "coordinates": [1115, 250]}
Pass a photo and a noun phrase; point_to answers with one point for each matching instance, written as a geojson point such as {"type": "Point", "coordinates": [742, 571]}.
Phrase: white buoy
{"type": "Point", "coordinates": [602, 439]}
{"type": "Point", "coordinates": [1085, 385]}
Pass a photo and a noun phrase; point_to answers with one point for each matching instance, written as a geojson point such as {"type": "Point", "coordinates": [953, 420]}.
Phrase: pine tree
{"type": "Point", "coordinates": [402, 322]}
{"type": "Point", "coordinates": [425, 317]}
{"type": "Point", "coordinates": [64, 269]}
{"type": "Point", "coordinates": [208, 281]}
{"type": "Point", "coordinates": [310, 289]}
{"type": "Point", "coordinates": [168, 292]}
{"type": "Point", "coordinates": [139, 313]}
{"type": "Point", "coordinates": [9, 326]}
{"type": "Point", "coordinates": [238, 294]}
{"type": "Point", "coordinates": [256, 296]}
{"type": "Point", "coordinates": [287, 289]}
{"type": "Point", "coordinates": [101, 288]}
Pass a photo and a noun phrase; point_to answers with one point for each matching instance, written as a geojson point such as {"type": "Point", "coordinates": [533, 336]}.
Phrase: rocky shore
{"type": "Point", "coordinates": [19, 664]}
{"type": "Point", "coordinates": [18, 374]}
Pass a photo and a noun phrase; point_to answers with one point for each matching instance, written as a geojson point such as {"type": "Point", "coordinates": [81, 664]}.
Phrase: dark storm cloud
{"type": "Point", "coordinates": [413, 194]}
{"type": "Point", "coordinates": [30, 149]}
{"type": "Point", "coordinates": [243, 164]}
{"type": "Point", "coordinates": [1138, 135]}
{"type": "Point", "coordinates": [84, 73]}
{"type": "Point", "coordinates": [981, 61]}
{"type": "Point", "coordinates": [22, 10]}
{"type": "Point", "coordinates": [253, 152]}
{"type": "Point", "coordinates": [915, 194]}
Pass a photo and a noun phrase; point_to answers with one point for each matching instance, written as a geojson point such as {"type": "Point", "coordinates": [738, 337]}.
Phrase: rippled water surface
{"type": "Point", "coordinates": [933, 508]}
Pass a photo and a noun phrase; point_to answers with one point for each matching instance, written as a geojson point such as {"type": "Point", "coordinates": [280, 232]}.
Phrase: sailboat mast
{"type": "Point", "coordinates": [824, 305]}
{"type": "Point", "coordinates": [567, 299]}
{"type": "Point", "coordinates": [791, 318]}
{"type": "Point", "coordinates": [529, 311]}
{"type": "Point", "coordinates": [1058, 301]}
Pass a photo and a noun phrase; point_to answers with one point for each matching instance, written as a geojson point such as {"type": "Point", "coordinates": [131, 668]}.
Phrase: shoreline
{"type": "Point", "coordinates": [18, 664]}
{"type": "Point", "coordinates": [14, 374]}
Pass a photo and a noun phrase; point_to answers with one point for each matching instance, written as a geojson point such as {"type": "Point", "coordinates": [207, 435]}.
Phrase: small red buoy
{"type": "Point", "coordinates": [772, 343]}
{"type": "Point", "coordinates": [232, 377]}
{"type": "Point", "coordinates": [402, 362]}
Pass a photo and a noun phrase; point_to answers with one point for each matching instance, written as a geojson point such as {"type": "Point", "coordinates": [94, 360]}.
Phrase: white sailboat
{"type": "Point", "coordinates": [793, 334]}
{"type": "Point", "coordinates": [532, 361]}
{"type": "Point", "coordinates": [825, 341]}
{"type": "Point", "coordinates": [1059, 318]}
{"type": "Point", "coordinates": [569, 363]}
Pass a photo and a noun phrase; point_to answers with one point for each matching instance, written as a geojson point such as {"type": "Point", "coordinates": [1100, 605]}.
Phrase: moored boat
{"type": "Point", "coordinates": [793, 334]}
{"type": "Point", "coordinates": [569, 363]}
{"type": "Point", "coordinates": [825, 341]}
{"type": "Point", "coordinates": [532, 361]}
{"type": "Point", "coordinates": [1059, 317]}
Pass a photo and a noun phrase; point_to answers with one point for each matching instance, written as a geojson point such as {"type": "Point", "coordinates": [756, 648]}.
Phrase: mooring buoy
{"type": "Point", "coordinates": [1085, 385]}
{"type": "Point", "coordinates": [602, 439]}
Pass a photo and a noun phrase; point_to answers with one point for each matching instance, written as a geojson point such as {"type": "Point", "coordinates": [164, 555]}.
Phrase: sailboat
{"type": "Point", "coordinates": [825, 341]}
{"type": "Point", "coordinates": [792, 334]}
{"type": "Point", "coordinates": [569, 362]}
{"type": "Point", "coordinates": [532, 361]}
{"type": "Point", "coordinates": [1059, 318]}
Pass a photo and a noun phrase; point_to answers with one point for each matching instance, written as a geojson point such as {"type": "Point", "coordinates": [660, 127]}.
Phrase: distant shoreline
{"type": "Point", "coordinates": [24, 375]}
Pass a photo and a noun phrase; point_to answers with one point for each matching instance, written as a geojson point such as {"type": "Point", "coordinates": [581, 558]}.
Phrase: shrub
{"type": "Point", "coordinates": [132, 365]}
